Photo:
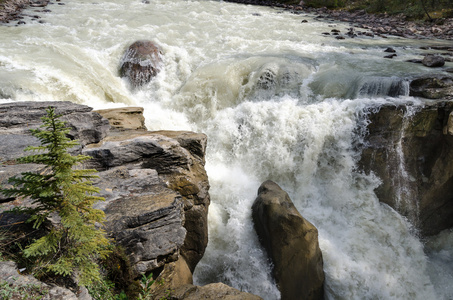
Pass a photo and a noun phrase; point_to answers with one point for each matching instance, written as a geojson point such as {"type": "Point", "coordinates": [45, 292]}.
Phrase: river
{"type": "Point", "coordinates": [301, 129]}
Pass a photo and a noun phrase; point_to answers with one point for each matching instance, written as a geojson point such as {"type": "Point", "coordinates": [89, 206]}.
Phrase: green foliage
{"type": "Point", "coordinates": [413, 9]}
{"type": "Point", "coordinates": [66, 193]}
{"type": "Point", "coordinates": [146, 292]}
{"type": "Point", "coordinates": [146, 282]}
{"type": "Point", "coordinates": [22, 291]}
{"type": "Point", "coordinates": [325, 3]}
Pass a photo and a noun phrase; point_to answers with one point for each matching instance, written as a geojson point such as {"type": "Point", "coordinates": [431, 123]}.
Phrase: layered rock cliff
{"type": "Point", "coordinates": [154, 183]}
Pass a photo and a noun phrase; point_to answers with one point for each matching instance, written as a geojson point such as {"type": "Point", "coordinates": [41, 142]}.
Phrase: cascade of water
{"type": "Point", "coordinates": [405, 184]}
{"type": "Point", "coordinates": [277, 99]}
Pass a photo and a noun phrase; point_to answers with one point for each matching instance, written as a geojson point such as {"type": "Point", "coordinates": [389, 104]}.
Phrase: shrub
{"type": "Point", "coordinates": [71, 246]}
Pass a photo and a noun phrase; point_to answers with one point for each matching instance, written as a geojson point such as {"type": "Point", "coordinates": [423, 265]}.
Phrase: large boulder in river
{"type": "Point", "coordinates": [291, 242]}
{"type": "Point", "coordinates": [432, 87]}
{"type": "Point", "coordinates": [411, 150]}
{"type": "Point", "coordinates": [141, 62]}
{"type": "Point", "coordinates": [433, 61]}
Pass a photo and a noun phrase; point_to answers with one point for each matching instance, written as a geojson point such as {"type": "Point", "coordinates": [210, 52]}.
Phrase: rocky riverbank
{"type": "Point", "coordinates": [377, 24]}
{"type": "Point", "coordinates": [12, 10]}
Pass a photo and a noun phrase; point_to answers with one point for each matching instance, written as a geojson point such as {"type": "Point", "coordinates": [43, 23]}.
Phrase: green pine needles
{"type": "Point", "coordinates": [66, 194]}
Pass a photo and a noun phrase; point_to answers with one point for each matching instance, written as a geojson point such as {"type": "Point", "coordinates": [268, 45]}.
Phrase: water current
{"type": "Point", "coordinates": [277, 99]}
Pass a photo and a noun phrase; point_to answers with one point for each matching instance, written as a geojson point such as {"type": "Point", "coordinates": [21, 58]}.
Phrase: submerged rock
{"type": "Point", "coordinates": [291, 242]}
{"type": "Point", "coordinates": [141, 62]}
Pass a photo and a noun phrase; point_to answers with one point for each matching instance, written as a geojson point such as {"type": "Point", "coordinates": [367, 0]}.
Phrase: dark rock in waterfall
{"type": "Point", "coordinates": [291, 242]}
{"type": "Point", "coordinates": [412, 153]}
{"type": "Point", "coordinates": [390, 50]}
{"type": "Point", "coordinates": [433, 61]}
{"type": "Point", "coordinates": [390, 56]}
{"type": "Point", "coordinates": [141, 62]}
{"type": "Point", "coordinates": [432, 87]}
{"type": "Point", "coordinates": [267, 80]}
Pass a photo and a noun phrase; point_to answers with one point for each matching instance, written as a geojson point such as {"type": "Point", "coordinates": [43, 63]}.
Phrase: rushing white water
{"type": "Point", "coordinates": [277, 99]}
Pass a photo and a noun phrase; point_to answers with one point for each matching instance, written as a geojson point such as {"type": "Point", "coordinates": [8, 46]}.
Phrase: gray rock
{"type": "Point", "coordinates": [433, 61]}
{"type": "Point", "coordinates": [148, 226]}
{"type": "Point", "coordinates": [19, 117]}
{"type": "Point", "coordinates": [291, 242]}
{"type": "Point", "coordinates": [155, 184]}
{"type": "Point", "coordinates": [142, 163]}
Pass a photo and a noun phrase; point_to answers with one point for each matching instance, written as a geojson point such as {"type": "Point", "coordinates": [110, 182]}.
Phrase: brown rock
{"type": "Point", "coordinates": [141, 62]}
{"type": "Point", "coordinates": [213, 291]}
{"type": "Point", "coordinates": [291, 242]}
{"type": "Point", "coordinates": [124, 118]}
{"type": "Point", "coordinates": [422, 146]}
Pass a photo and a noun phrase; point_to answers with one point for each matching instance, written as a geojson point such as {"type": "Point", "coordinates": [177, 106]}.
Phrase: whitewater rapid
{"type": "Point", "coordinates": [303, 129]}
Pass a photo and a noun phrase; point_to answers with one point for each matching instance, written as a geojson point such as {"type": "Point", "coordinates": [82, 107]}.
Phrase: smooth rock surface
{"type": "Point", "coordinates": [291, 242]}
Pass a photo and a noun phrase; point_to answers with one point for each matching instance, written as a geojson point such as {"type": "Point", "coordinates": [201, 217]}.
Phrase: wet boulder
{"type": "Point", "coordinates": [433, 61]}
{"type": "Point", "coordinates": [411, 152]}
{"type": "Point", "coordinates": [291, 242]}
{"type": "Point", "coordinates": [141, 62]}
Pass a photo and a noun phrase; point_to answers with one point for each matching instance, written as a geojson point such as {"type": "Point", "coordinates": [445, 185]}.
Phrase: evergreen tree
{"type": "Point", "coordinates": [75, 243]}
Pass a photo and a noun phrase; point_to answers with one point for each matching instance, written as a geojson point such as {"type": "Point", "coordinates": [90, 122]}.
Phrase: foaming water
{"type": "Point", "coordinates": [277, 99]}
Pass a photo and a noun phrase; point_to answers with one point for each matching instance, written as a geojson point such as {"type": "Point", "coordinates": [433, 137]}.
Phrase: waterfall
{"type": "Point", "coordinates": [277, 99]}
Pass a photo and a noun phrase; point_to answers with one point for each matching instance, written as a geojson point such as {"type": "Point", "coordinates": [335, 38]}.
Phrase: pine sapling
{"type": "Point", "coordinates": [75, 243]}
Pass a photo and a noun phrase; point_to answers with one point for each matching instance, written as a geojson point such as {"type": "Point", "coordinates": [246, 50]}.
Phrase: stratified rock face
{"type": "Point", "coordinates": [291, 242]}
{"type": "Point", "coordinates": [155, 184]}
{"type": "Point", "coordinates": [432, 87]}
{"type": "Point", "coordinates": [19, 117]}
{"type": "Point", "coordinates": [141, 62]}
{"type": "Point", "coordinates": [412, 153]}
